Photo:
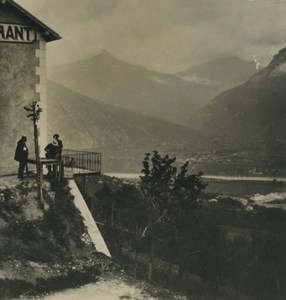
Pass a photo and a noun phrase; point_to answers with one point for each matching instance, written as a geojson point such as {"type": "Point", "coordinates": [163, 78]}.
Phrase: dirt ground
{"type": "Point", "coordinates": [116, 287]}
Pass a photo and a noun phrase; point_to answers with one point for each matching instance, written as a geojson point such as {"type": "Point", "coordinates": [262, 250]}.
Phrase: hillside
{"type": "Point", "coordinates": [230, 239]}
{"type": "Point", "coordinates": [252, 115]}
{"type": "Point", "coordinates": [133, 87]}
{"type": "Point", "coordinates": [223, 73]}
{"type": "Point", "coordinates": [48, 250]}
{"type": "Point", "coordinates": [41, 248]}
{"type": "Point", "coordinates": [84, 123]}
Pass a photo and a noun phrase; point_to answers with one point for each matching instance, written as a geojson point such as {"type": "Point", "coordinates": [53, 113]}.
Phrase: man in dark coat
{"type": "Point", "coordinates": [60, 143]}
{"type": "Point", "coordinates": [52, 151]}
{"type": "Point", "coordinates": [21, 155]}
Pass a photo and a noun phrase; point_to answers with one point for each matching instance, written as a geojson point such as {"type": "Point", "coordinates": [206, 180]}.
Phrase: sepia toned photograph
{"type": "Point", "coordinates": [143, 149]}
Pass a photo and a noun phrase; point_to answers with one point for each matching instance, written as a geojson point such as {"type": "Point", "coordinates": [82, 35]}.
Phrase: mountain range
{"type": "Point", "coordinates": [137, 112]}
{"type": "Point", "coordinates": [164, 96]}
{"type": "Point", "coordinates": [88, 124]}
{"type": "Point", "coordinates": [252, 114]}
{"type": "Point", "coordinates": [223, 73]}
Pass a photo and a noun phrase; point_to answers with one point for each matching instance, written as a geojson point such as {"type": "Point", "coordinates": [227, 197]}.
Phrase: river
{"type": "Point", "coordinates": [214, 177]}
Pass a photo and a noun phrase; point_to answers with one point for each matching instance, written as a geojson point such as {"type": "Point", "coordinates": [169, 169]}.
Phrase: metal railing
{"type": "Point", "coordinates": [82, 162]}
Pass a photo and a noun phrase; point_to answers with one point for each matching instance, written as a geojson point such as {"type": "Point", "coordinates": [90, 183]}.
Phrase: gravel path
{"type": "Point", "coordinates": [113, 289]}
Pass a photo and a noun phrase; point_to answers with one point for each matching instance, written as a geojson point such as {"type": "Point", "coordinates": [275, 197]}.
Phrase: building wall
{"type": "Point", "coordinates": [22, 81]}
{"type": "Point", "coordinates": [41, 90]}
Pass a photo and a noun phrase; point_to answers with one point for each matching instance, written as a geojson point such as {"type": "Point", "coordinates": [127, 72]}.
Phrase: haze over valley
{"type": "Point", "coordinates": [164, 96]}
{"type": "Point", "coordinates": [235, 113]}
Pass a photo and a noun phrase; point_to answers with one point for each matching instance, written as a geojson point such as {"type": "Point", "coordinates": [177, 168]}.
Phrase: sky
{"type": "Point", "coordinates": [163, 35]}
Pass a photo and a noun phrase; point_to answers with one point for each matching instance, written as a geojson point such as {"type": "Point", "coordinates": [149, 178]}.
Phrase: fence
{"type": "Point", "coordinates": [82, 162]}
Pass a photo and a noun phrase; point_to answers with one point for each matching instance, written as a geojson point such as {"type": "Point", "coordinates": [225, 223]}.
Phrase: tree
{"type": "Point", "coordinates": [170, 197]}
{"type": "Point", "coordinates": [34, 111]}
{"type": "Point", "coordinates": [156, 184]}
{"type": "Point", "coordinates": [187, 188]}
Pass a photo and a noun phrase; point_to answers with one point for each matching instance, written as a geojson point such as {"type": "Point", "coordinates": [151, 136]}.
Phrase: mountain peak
{"type": "Point", "coordinates": [276, 68]}
{"type": "Point", "coordinates": [279, 58]}
{"type": "Point", "coordinates": [102, 58]}
{"type": "Point", "coordinates": [106, 57]}
{"type": "Point", "coordinates": [105, 53]}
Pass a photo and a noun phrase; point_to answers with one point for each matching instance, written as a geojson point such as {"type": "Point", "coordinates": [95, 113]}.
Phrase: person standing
{"type": "Point", "coordinates": [60, 143]}
{"type": "Point", "coordinates": [52, 151]}
{"type": "Point", "coordinates": [21, 155]}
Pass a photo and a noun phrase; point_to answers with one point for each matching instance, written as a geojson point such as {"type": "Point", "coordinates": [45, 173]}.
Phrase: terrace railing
{"type": "Point", "coordinates": [82, 162]}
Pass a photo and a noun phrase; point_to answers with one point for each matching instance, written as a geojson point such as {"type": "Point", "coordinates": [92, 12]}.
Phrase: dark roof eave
{"type": "Point", "coordinates": [52, 35]}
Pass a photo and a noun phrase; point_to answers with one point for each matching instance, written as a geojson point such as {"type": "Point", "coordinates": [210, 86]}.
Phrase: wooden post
{"type": "Point", "coordinates": [34, 114]}
{"type": "Point", "coordinates": [38, 158]}
{"type": "Point", "coordinates": [83, 184]}
{"type": "Point", "coordinates": [151, 249]}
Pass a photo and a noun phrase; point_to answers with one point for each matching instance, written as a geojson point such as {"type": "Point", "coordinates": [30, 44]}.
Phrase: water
{"type": "Point", "coordinates": [215, 177]}
{"type": "Point", "coordinates": [245, 178]}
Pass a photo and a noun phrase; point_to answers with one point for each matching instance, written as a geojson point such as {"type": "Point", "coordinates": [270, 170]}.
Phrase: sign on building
{"type": "Point", "coordinates": [17, 33]}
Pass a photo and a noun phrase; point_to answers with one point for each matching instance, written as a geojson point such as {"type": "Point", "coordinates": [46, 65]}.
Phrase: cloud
{"type": "Point", "coordinates": [166, 35]}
